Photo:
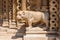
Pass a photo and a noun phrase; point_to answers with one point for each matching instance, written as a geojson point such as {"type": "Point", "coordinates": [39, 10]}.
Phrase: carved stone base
{"type": "Point", "coordinates": [5, 23]}
{"type": "Point", "coordinates": [35, 37]}
{"type": "Point", "coordinates": [39, 37]}
{"type": "Point", "coordinates": [37, 33]}
{"type": "Point", "coordinates": [12, 24]}
{"type": "Point", "coordinates": [34, 29]}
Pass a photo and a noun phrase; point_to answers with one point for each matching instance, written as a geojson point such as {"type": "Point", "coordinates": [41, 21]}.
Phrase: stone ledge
{"type": "Point", "coordinates": [28, 31]}
{"type": "Point", "coordinates": [40, 32]}
{"type": "Point", "coordinates": [39, 37]}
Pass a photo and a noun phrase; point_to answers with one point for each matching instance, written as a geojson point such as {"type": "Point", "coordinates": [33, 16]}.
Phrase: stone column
{"type": "Point", "coordinates": [23, 5]}
{"type": "Point", "coordinates": [59, 14]}
{"type": "Point", "coordinates": [12, 14]}
{"type": "Point", "coordinates": [28, 5]}
{"type": "Point", "coordinates": [7, 9]}
{"type": "Point", "coordinates": [1, 12]}
{"type": "Point", "coordinates": [53, 14]}
{"type": "Point", "coordinates": [14, 10]}
{"type": "Point", "coordinates": [5, 13]}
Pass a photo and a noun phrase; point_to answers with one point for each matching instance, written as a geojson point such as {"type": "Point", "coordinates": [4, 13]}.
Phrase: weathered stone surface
{"type": "Point", "coordinates": [5, 23]}
{"type": "Point", "coordinates": [57, 38]}
{"type": "Point", "coordinates": [38, 37]}
{"type": "Point", "coordinates": [38, 30]}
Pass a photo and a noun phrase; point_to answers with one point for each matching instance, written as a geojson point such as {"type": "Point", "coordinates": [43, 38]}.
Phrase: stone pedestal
{"type": "Point", "coordinates": [38, 34]}
{"type": "Point", "coordinates": [38, 37]}
{"type": "Point", "coordinates": [35, 37]}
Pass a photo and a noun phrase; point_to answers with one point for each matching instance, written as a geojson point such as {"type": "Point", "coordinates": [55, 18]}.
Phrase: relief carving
{"type": "Point", "coordinates": [32, 17]}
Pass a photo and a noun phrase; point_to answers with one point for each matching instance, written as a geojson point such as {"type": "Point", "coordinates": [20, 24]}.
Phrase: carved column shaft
{"type": "Point", "coordinates": [14, 9]}
{"type": "Point", "coordinates": [5, 13]}
{"type": "Point", "coordinates": [28, 4]}
{"type": "Point", "coordinates": [1, 12]}
{"type": "Point", "coordinates": [0, 9]}
{"type": "Point", "coordinates": [19, 5]}
{"type": "Point", "coordinates": [59, 15]}
{"type": "Point", "coordinates": [7, 9]}
{"type": "Point", "coordinates": [53, 14]}
{"type": "Point", "coordinates": [23, 5]}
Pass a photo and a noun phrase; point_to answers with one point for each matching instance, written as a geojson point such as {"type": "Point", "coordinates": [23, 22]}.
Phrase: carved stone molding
{"type": "Point", "coordinates": [19, 5]}
{"type": "Point", "coordinates": [53, 14]}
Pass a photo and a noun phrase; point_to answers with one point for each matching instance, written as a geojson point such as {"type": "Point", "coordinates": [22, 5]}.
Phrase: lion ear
{"type": "Point", "coordinates": [23, 13]}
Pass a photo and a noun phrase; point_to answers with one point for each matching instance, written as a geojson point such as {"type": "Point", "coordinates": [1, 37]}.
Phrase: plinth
{"type": "Point", "coordinates": [39, 34]}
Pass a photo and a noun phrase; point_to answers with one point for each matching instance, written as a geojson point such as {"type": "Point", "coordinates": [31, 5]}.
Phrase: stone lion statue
{"type": "Point", "coordinates": [32, 17]}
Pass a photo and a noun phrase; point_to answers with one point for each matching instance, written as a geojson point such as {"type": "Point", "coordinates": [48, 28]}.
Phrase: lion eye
{"type": "Point", "coordinates": [20, 14]}
{"type": "Point", "coordinates": [23, 13]}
